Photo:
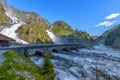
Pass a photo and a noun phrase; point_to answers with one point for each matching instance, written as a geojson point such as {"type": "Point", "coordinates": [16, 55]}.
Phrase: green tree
{"type": "Point", "coordinates": [48, 68]}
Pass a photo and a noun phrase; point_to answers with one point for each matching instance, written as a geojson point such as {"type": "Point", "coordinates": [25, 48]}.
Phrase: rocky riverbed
{"type": "Point", "coordinates": [84, 65]}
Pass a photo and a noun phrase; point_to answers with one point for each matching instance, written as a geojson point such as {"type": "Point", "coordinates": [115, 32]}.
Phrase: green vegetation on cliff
{"type": "Point", "coordinates": [113, 38]}
{"type": "Point", "coordinates": [106, 33]}
{"type": "Point", "coordinates": [18, 67]}
{"type": "Point", "coordinates": [83, 36]}
{"type": "Point", "coordinates": [61, 28]}
{"type": "Point", "coordinates": [48, 68]}
{"type": "Point", "coordinates": [34, 29]}
{"type": "Point", "coordinates": [3, 17]}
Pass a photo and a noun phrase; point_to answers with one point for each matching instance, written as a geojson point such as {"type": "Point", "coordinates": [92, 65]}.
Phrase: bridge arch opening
{"type": "Point", "coordinates": [65, 49]}
{"type": "Point", "coordinates": [39, 53]}
{"type": "Point", "coordinates": [55, 50]}
{"type": "Point", "coordinates": [73, 48]}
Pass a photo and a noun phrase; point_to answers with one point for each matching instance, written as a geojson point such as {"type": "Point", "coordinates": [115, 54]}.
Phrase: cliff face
{"type": "Point", "coordinates": [35, 29]}
{"type": "Point", "coordinates": [4, 19]}
{"type": "Point", "coordinates": [113, 38]}
{"type": "Point", "coordinates": [110, 37]}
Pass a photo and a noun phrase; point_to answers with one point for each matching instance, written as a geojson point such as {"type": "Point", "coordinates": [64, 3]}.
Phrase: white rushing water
{"type": "Point", "coordinates": [83, 65]}
{"type": "Point", "coordinates": [13, 20]}
{"type": "Point", "coordinates": [11, 31]}
{"type": "Point", "coordinates": [101, 48]}
{"type": "Point", "coordinates": [53, 37]}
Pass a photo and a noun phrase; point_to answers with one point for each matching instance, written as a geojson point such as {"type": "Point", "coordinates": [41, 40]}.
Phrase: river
{"type": "Point", "coordinates": [87, 64]}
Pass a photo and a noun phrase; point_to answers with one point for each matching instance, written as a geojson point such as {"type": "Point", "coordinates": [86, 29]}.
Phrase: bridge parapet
{"type": "Point", "coordinates": [31, 49]}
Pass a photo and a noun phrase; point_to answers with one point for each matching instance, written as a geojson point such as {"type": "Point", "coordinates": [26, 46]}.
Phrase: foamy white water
{"type": "Point", "coordinates": [10, 31]}
{"type": "Point", "coordinates": [103, 50]}
{"type": "Point", "coordinates": [14, 20]}
{"type": "Point", "coordinates": [53, 37]}
{"type": "Point", "coordinates": [82, 65]}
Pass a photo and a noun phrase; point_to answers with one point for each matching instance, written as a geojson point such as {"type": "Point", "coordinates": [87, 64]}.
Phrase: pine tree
{"type": "Point", "coordinates": [48, 68]}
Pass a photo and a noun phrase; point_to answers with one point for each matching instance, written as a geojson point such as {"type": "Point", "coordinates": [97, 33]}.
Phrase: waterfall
{"type": "Point", "coordinates": [11, 31]}
{"type": "Point", "coordinates": [53, 37]}
{"type": "Point", "coordinates": [13, 20]}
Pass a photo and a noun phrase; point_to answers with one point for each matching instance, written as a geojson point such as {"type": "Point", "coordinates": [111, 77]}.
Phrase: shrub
{"type": "Point", "coordinates": [48, 68]}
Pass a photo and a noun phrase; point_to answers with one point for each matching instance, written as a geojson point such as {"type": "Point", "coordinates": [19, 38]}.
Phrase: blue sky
{"type": "Point", "coordinates": [92, 16]}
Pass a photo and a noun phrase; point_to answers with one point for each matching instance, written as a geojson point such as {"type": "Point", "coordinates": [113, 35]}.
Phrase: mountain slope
{"type": "Point", "coordinates": [4, 19]}
{"type": "Point", "coordinates": [32, 24]}
{"type": "Point", "coordinates": [84, 37]}
{"type": "Point", "coordinates": [34, 29]}
{"type": "Point", "coordinates": [110, 30]}
{"type": "Point", "coordinates": [113, 38]}
{"type": "Point", "coordinates": [67, 35]}
{"type": "Point", "coordinates": [61, 28]}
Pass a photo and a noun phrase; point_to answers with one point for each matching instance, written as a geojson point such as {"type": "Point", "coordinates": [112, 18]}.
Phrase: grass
{"type": "Point", "coordinates": [18, 67]}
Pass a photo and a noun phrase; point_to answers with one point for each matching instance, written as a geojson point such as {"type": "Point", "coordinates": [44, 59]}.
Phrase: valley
{"type": "Point", "coordinates": [98, 60]}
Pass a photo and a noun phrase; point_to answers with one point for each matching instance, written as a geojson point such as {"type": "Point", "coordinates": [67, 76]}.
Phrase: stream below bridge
{"type": "Point", "coordinates": [100, 61]}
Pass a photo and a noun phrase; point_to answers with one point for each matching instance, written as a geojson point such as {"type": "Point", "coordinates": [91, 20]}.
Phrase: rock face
{"type": "Point", "coordinates": [111, 37]}
{"type": "Point", "coordinates": [4, 19]}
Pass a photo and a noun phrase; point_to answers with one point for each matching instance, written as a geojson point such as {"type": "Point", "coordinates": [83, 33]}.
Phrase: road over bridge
{"type": "Point", "coordinates": [28, 49]}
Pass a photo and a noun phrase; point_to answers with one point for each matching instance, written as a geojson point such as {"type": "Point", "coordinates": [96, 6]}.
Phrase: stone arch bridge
{"type": "Point", "coordinates": [31, 49]}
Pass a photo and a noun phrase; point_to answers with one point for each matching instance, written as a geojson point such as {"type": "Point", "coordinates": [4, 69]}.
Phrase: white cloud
{"type": "Point", "coordinates": [106, 23]}
{"type": "Point", "coordinates": [113, 15]}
